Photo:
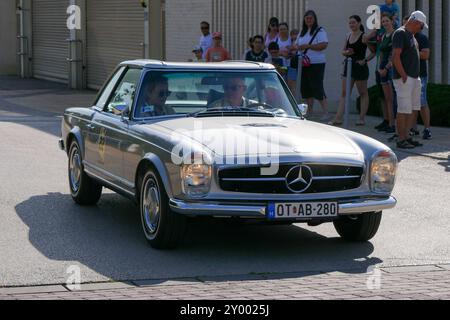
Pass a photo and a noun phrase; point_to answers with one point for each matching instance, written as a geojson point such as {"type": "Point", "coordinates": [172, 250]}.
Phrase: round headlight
{"type": "Point", "coordinates": [196, 176]}
{"type": "Point", "coordinates": [382, 172]}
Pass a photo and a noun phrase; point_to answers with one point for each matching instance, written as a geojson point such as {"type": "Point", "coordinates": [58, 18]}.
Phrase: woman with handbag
{"type": "Point", "coordinates": [312, 43]}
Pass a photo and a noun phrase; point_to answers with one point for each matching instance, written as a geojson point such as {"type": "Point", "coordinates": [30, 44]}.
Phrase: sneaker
{"type": "Point", "coordinates": [384, 127]}
{"type": "Point", "coordinates": [381, 125]}
{"type": "Point", "coordinates": [426, 134]}
{"type": "Point", "coordinates": [393, 138]}
{"type": "Point", "coordinates": [325, 118]}
{"type": "Point", "coordinates": [404, 145]}
{"type": "Point", "coordinates": [390, 129]}
{"type": "Point", "coordinates": [414, 143]}
{"type": "Point", "coordinates": [414, 132]}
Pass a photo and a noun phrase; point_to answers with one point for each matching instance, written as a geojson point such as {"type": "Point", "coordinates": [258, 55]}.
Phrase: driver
{"type": "Point", "coordinates": [155, 96]}
{"type": "Point", "coordinates": [234, 89]}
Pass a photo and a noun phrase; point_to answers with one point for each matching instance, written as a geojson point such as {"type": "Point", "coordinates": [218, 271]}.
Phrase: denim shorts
{"type": "Point", "coordinates": [423, 96]}
{"type": "Point", "coordinates": [387, 79]}
{"type": "Point", "coordinates": [292, 74]}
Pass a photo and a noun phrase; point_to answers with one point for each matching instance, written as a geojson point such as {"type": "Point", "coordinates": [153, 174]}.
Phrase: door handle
{"type": "Point", "coordinates": [90, 126]}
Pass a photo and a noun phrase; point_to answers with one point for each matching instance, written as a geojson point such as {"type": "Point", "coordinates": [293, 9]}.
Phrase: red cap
{"type": "Point", "coordinates": [217, 35]}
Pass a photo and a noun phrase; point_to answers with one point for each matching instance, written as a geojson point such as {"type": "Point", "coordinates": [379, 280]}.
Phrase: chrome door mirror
{"type": "Point", "coordinates": [303, 109]}
{"type": "Point", "coordinates": [125, 114]}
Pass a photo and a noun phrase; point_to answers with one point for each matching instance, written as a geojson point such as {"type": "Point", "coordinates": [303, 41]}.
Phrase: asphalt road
{"type": "Point", "coordinates": [43, 232]}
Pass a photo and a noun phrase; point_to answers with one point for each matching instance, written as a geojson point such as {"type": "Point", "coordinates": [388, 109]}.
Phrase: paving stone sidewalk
{"type": "Point", "coordinates": [430, 282]}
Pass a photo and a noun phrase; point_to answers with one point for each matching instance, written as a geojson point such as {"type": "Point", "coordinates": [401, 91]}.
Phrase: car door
{"type": "Point", "coordinates": [113, 127]}
{"type": "Point", "coordinates": [91, 131]}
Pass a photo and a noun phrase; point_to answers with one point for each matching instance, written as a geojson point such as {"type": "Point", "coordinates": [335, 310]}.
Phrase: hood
{"type": "Point", "coordinates": [253, 135]}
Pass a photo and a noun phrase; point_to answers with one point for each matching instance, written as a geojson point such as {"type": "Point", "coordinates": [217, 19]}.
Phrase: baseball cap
{"type": "Point", "coordinates": [419, 16]}
{"type": "Point", "coordinates": [217, 35]}
{"type": "Point", "coordinates": [197, 48]}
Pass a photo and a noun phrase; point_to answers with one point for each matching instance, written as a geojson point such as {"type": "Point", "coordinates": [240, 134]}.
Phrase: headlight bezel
{"type": "Point", "coordinates": [379, 160]}
{"type": "Point", "coordinates": [196, 175]}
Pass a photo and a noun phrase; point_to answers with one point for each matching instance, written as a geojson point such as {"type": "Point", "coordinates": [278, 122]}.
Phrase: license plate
{"type": "Point", "coordinates": [306, 210]}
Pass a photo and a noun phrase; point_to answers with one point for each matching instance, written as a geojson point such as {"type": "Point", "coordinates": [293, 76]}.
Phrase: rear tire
{"type": "Point", "coordinates": [359, 228]}
{"type": "Point", "coordinates": [163, 228]}
{"type": "Point", "coordinates": [84, 190]}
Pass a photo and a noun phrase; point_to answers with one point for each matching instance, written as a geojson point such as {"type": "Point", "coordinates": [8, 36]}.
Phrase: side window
{"type": "Point", "coordinates": [123, 96]}
{"type": "Point", "coordinates": [108, 89]}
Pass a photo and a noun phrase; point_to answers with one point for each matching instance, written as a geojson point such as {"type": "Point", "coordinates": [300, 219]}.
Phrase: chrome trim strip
{"type": "Point", "coordinates": [253, 179]}
{"type": "Point", "coordinates": [354, 207]}
{"type": "Point", "coordinates": [106, 182]}
{"type": "Point", "coordinates": [336, 177]}
{"type": "Point", "coordinates": [284, 179]}
{"type": "Point", "coordinates": [108, 174]}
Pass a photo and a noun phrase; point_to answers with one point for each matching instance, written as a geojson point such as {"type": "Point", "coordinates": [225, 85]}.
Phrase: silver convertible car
{"type": "Point", "coordinates": [222, 140]}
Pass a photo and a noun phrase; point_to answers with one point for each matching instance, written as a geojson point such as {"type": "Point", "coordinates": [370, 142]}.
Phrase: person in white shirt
{"type": "Point", "coordinates": [272, 31]}
{"type": "Point", "coordinates": [284, 41]}
{"type": "Point", "coordinates": [313, 75]}
{"type": "Point", "coordinates": [206, 40]}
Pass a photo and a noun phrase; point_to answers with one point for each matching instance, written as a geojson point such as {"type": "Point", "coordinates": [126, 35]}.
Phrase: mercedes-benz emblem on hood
{"type": "Point", "coordinates": [299, 178]}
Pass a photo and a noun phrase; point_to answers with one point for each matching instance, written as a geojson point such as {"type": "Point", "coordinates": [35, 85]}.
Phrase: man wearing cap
{"type": "Point", "coordinates": [217, 53]}
{"type": "Point", "coordinates": [406, 60]}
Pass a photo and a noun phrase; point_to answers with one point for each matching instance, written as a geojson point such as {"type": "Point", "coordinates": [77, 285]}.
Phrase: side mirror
{"type": "Point", "coordinates": [125, 114]}
{"type": "Point", "coordinates": [303, 109]}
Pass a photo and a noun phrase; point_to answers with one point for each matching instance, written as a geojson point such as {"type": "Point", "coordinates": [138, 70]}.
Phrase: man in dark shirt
{"type": "Point", "coordinates": [424, 50]}
{"type": "Point", "coordinates": [257, 54]}
{"type": "Point", "coordinates": [406, 60]}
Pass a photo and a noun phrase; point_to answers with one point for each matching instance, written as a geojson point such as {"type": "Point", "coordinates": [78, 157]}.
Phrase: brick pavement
{"type": "Point", "coordinates": [403, 283]}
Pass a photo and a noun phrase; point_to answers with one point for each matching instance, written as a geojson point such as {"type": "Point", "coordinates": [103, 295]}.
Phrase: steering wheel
{"type": "Point", "coordinates": [260, 106]}
{"type": "Point", "coordinates": [266, 107]}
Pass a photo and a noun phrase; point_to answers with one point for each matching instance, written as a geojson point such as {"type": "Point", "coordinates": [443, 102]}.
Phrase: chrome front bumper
{"type": "Point", "coordinates": [347, 207]}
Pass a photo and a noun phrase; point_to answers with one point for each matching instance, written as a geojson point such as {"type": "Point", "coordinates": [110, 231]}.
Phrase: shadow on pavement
{"type": "Point", "coordinates": [107, 239]}
{"type": "Point", "coordinates": [446, 164]}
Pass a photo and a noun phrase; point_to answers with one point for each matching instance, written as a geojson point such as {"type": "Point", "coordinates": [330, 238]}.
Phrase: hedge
{"type": "Point", "coordinates": [438, 99]}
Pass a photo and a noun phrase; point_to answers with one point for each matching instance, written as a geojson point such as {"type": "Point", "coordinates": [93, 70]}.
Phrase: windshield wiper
{"type": "Point", "coordinates": [232, 112]}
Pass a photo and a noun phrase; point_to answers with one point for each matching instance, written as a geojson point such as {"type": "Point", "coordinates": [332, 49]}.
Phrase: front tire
{"type": "Point", "coordinates": [84, 190]}
{"type": "Point", "coordinates": [359, 228]}
{"type": "Point", "coordinates": [163, 228]}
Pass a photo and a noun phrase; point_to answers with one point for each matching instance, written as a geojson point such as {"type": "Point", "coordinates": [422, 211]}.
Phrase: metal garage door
{"type": "Point", "coordinates": [50, 32]}
{"type": "Point", "coordinates": [115, 32]}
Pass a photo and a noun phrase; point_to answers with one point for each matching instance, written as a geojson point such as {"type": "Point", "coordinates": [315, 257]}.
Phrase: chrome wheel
{"type": "Point", "coordinates": [151, 206]}
{"type": "Point", "coordinates": [75, 169]}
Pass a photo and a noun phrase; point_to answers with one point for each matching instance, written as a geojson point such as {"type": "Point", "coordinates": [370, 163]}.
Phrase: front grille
{"type": "Point", "coordinates": [326, 178]}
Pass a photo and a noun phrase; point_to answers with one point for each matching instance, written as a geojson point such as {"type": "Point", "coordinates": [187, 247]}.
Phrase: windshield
{"type": "Point", "coordinates": [201, 93]}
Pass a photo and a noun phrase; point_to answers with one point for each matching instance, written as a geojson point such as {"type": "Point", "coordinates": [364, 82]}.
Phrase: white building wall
{"type": "Point", "coordinates": [183, 29]}
{"type": "Point", "coordinates": [183, 26]}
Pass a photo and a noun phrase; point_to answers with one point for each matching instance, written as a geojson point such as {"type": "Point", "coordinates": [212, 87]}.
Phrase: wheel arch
{"type": "Point", "coordinates": [152, 161]}
{"type": "Point", "coordinates": [75, 134]}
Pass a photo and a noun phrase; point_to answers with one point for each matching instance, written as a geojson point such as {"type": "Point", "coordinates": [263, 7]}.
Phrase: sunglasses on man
{"type": "Point", "coordinates": [164, 94]}
{"type": "Point", "coordinates": [234, 88]}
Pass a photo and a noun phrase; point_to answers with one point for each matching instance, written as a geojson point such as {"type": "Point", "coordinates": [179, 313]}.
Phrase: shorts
{"type": "Point", "coordinates": [423, 96]}
{"type": "Point", "coordinates": [408, 95]}
{"type": "Point", "coordinates": [359, 72]}
{"type": "Point", "coordinates": [312, 82]}
{"type": "Point", "coordinates": [292, 74]}
{"type": "Point", "coordinates": [387, 79]}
